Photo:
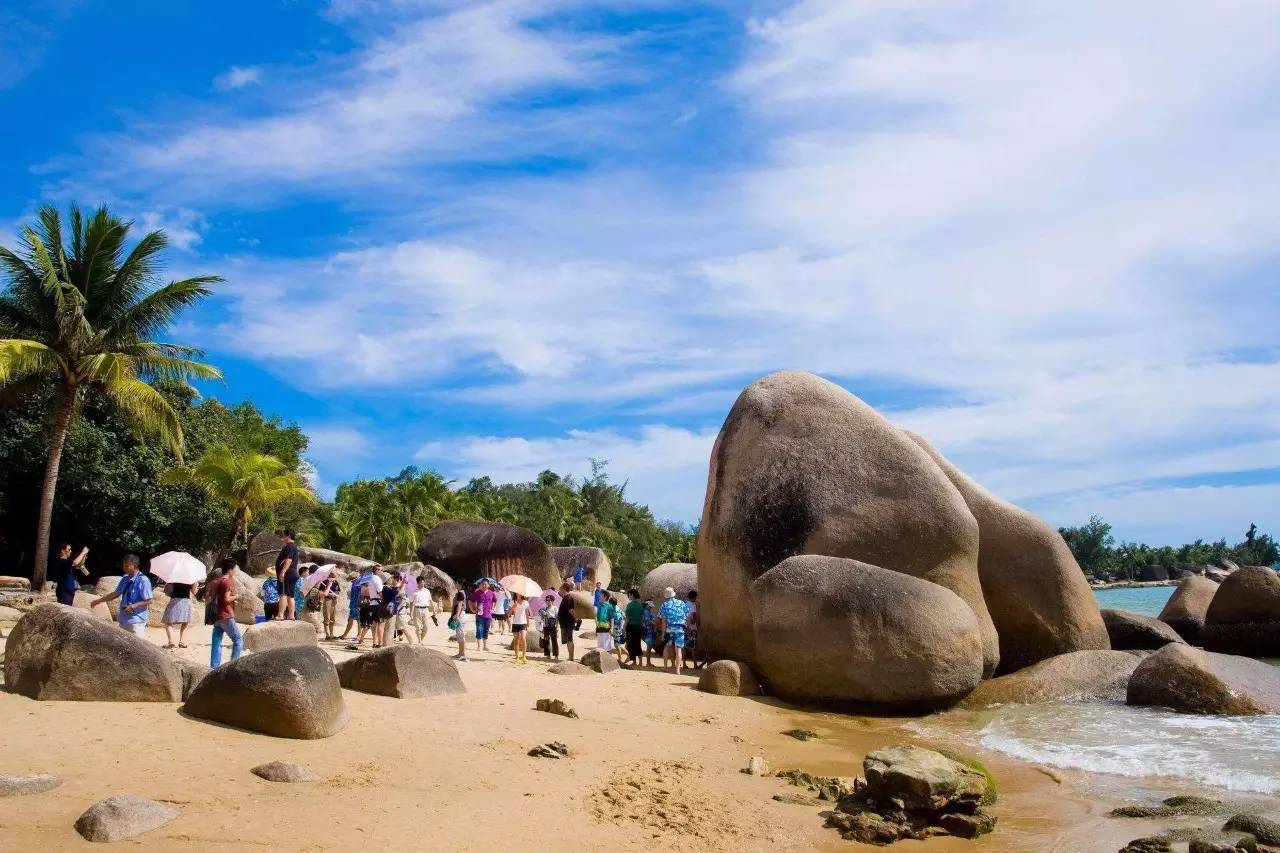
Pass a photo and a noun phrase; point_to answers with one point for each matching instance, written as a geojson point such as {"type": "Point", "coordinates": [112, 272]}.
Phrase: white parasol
{"type": "Point", "coordinates": [317, 575]}
{"type": "Point", "coordinates": [178, 567]}
{"type": "Point", "coordinates": [521, 585]}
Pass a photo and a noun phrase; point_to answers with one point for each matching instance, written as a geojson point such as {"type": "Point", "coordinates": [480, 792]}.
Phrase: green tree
{"type": "Point", "coordinates": [246, 482]}
{"type": "Point", "coordinates": [79, 314]}
{"type": "Point", "coordinates": [1091, 544]}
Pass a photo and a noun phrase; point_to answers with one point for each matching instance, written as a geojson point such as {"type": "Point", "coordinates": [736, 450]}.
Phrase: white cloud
{"type": "Point", "coordinates": [237, 77]}
{"type": "Point", "coordinates": [183, 227]}
{"type": "Point", "coordinates": [663, 467]}
{"type": "Point", "coordinates": [331, 443]}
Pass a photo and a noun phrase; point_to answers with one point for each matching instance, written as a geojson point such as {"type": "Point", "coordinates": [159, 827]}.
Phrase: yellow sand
{"type": "Point", "coordinates": [655, 765]}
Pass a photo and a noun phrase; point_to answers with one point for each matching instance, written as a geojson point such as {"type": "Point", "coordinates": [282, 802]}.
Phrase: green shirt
{"type": "Point", "coordinates": [635, 612]}
{"type": "Point", "coordinates": [604, 615]}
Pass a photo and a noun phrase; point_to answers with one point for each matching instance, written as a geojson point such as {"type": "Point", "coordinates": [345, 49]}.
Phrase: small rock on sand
{"type": "Point", "coordinates": [19, 784]}
{"type": "Point", "coordinates": [1264, 830]}
{"type": "Point", "coordinates": [556, 706]}
{"type": "Point", "coordinates": [123, 816]}
{"type": "Point", "coordinates": [757, 766]}
{"type": "Point", "coordinates": [799, 800]}
{"type": "Point", "coordinates": [569, 667]}
{"type": "Point", "coordinates": [601, 662]}
{"type": "Point", "coordinates": [800, 734]}
{"type": "Point", "coordinates": [554, 749]}
{"type": "Point", "coordinates": [283, 771]}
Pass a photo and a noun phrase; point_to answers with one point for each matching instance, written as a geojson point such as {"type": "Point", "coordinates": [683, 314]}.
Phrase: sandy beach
{"type": "Point", "coordinates": [654, 764]}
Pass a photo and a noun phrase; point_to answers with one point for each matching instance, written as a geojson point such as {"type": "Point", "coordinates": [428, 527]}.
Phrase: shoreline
{"type": "Point", "coordinates": [1131, 584]}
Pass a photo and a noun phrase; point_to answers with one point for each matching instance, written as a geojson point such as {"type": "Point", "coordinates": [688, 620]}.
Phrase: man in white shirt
{"type": "Point", "coordinates": [423, 607]}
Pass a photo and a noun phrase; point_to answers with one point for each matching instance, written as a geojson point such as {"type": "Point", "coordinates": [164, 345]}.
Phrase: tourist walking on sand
{"type": "Point", "coordinates": [221, 594]}
{"type": "Point", "coordinates": [519, 626]}
{"type": "Point", "coordinates": [567, 619]}
{"type": "Point", "coordinates": [484, 598]}
{"type": "Point", "coordinates": [671, 622]}
{"type": "Point", "coordinates": [353, 606]}
{"type": "Point", "coordinates": [300, 597]}
{"type": "Point", "coordinates": [619, 627]}
{"type": "Point", "coordinates": [63, 569]}
{"type": "Point", "coordinates": [134, 591]}
{"type": "Point", "coordinates": [650, 633]}
{"type": "Point", "coordinates": [423, 609]}
{"type": "Point", "coordinates": [330, 591]}
{"type": "Point", "coordinates": [634, 616]}
{"type": "Point", "coordinates": [287, 574]}
{"type": "Point", "coordinates": [177, 612]}
{"type": "Point", "coordinates": [548, 624]}
{"type": "Point", "coordinates": [387, 611]}
{"type": "Point", "coordinates": [456, 624]}
{"type": "Point", "coordinates": [502, 611]}
{"type": "Point", "coordinates": [370, 596]}
{"type": "Point", "coordinates": [604, 625]}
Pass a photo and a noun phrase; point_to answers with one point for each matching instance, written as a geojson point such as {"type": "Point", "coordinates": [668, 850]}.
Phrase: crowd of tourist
{"type": "Point", "coordinates": [385, 607]}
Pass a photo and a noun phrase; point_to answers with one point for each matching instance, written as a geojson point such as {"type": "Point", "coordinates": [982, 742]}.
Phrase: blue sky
{"type": "Point", "coordinates": [493, 237]}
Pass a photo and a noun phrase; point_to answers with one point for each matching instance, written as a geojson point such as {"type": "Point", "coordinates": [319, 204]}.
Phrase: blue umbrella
{"type": "Point", "coordinates": [492, 581]}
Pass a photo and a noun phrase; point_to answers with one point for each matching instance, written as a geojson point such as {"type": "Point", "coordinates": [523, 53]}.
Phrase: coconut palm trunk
{"type": "Point", "coordinates": [66, 406]}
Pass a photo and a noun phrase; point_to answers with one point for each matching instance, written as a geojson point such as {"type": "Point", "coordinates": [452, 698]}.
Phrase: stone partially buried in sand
{"type": "Point", "coordinates": [801, 466]}
{"type": "Point", "coordinates": [1037, 596]}
{"type": "Point", "coordinates": [1086, 676]}
{"type": "Point", "coordinates": [1185, 610]}
{"type": "Point", "coordinates": [1135, 631]}
{"type": "Point", "coordinates": [61, 653]}
{"type": "Point", "coordinates": [601, 662]}
{"type": "Point", "coordinates": [568, 667]}
{"type": "Point", "coordinates": [23, 784]}
{"type": "Point", "coordinates": [123, 816]}
{"type": "Point", "coordinates": [278, 635]}
{"type": "Point", "coordinates": [841, 632]}
{"type": "Point", "coordinates": [291, 692]}
{"type": "Point", "coordinates": [283, 771]}
{"type": "Point", "coordinates": [1197, 682]}
{"type": "Point", "coordinates": [403, 672]}
{"type": "Point", "coordinates": [729, 678]}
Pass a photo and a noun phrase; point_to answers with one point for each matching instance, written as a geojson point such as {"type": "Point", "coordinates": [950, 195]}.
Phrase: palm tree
{"type": "Point", "coordinates": [248, 483]}
{"type": "Point", "coordinates": [81, 318]}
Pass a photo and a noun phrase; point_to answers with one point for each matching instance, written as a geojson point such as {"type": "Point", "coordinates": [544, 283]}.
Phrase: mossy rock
{"type": "Point", "coordinates": [801, 734]}
{"type": "Point", "coordinates": [1174, 807]}
{"type": "Point", "coordinates": [989, 794]}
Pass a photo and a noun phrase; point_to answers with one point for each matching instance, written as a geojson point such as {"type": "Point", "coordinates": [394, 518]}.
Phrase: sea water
{"type": "Point", "coordinates": [1147, 600]}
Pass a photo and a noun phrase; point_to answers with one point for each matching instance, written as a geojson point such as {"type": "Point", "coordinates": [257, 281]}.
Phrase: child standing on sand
{"type": "Point", "coordinates": [455, 624]}
{"type": "Point", "coordinates": [519, 622]}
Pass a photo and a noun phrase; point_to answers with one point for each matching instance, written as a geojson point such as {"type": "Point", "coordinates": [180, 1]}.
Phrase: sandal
{"type": "Point", "coordinates": [168, 646]}
{"type": "Point", "coordinates": [182, 645]}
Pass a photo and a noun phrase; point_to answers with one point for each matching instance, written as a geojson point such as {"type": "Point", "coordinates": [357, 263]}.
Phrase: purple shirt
{"type": "Point", "coordinates": [484, 600]}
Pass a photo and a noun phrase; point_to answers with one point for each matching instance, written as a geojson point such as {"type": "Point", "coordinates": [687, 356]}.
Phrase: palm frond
{"type": "Point", "coordinates": [148, 412]}
{"type": "Point", "coordinates": [21, 358]}
{"type": "Point", "coordinates": [157, 310]}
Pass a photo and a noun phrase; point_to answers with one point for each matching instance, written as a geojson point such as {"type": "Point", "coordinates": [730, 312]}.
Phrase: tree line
{"type": "Point", "coordinates": [1096, 551]}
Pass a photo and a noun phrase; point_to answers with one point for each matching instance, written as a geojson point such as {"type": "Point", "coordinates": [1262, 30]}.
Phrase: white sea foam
{"type": "Point", "coordinates": [1239, 754]}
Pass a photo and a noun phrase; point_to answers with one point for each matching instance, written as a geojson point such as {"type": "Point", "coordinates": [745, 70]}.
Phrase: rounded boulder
{"type": "Point", "coordinates": [1185, 610]}
{"type": "Point", "coordinates": [840, 632]}
{"type": "Point", "coordinates": [801, 466]}
{"type": "Point", "coordinates": [682, 577]}
{"type": "Point", "coordinates": [291, 692]}
{"type": "Point", "coordinates": [1134, 631]}
{"type": "Point", "coordinates": [402, 672]}
{"type": "Point", "coordinates": [1244, 616]}
{"type": "Point", "coordinates": [1085, 676]}
{"type": "Point", "coordinates": [1192, 681]}
{"type": "Point", "coordinates": [729, 678]}
{"type": "Point", "coordinates": [279, 634]}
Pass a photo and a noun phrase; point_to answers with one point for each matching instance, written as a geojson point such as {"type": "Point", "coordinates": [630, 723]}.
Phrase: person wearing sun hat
{"type": "Point", "coordinates": [671, 617]}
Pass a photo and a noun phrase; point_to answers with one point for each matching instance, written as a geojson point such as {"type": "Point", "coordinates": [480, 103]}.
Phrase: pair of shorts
{"type": "Point", "coordinates": [460, 634]}
{"type": "Point", "coordinates": [518, 629]}
{"type": "Point", "coordinates": [566, 633]}
{"type": "Point", "coordinates": [369, 613]}
{"type": "Point", "coordinates": [139, 628]}
{"type": "Point", "coordinates": [386, 611]}
{"type": "Point", "coordinates": [501, 617]}
{"type": "Point", "coordinates": [482, 627]}
{"type": "Point", "coordinates": [674, 638]}
{"type": "Point", "coordinates": [289, 587]}
{"type": "Point", "coordinates": [353, 613]}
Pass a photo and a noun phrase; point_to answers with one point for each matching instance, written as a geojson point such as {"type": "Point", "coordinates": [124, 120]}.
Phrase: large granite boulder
{"type": "Point", "coordinates": [278, 635]}
{"type": "Point", "coordinates": [106, 585]}
{"type": "Point", "coordinates": [1153, 574]}
{"type": "Point", "coordinates": [1085, 676]}
{"type": "Point", "coordinates": [802, 466]}
{"type": "Point", "coordinates": [325, 556]}
{"type": "Point", "coordinates": [682, 577]}
{"type": "Point", "coordinates": [248, 604]}
{"type": "Point", "coordinates": [260, 559]}
{"type": "Point", "coordinates": [582, 606]}
{"type": "Point", "coordinates": [1192, 681]}
{"type": "Point", "coordinates": [841, 632]}
{"type": "Point", "coordinates": [62, 653]}
{"type": "Point", "coordinates": [404, 672]}
{"type": "Point", "coordinates": [291, 692]}
{"type": "Point", "coordinates": [1185, 610]}
{"type": "Point", "coordinates": [595, 564]}
{"type": "Point", "coordinates": [441, 585]}
{"type": "Point", "coordinates": [1037, 596]}
{"type": "Point", "coordinates": [467, 550]}
{"type": "Point", "coordinates": [1134, 631]}
{"type": "Point", "coordinates": [1244, 616]}
{"type": "Point", "coordinates": [84, 599]}
{"type": "Point", "coordinates": [729, 678]}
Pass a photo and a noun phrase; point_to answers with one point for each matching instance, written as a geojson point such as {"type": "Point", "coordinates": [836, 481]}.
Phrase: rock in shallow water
{"type": "Point", "coordinates": [1135, 631]}
{"type": "Point", "coordinates": [123, 816]}
{"type": "Point", "coordinates": [1084, 676]}
{"type": "Point", "coordinates": [22, 784]}
{"type": "Point", "coordinates": [1264, 830]}
{"type": "Point", "coordinates": [1192, 681]}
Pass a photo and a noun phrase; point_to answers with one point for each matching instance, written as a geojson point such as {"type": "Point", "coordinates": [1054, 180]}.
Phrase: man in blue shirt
{"type": "Point", "coordinates": [63, 571]}
{"type": "Point", "coordinates": [598, 596]}
{"type": "Point", "coordinates": [134, 592]}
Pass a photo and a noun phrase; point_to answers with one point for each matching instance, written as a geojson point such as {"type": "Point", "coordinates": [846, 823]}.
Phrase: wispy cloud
{"type": "Point", "coordinates": [237, 77]}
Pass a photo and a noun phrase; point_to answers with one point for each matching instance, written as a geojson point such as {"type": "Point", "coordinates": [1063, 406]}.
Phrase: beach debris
{"type": "Point", "coordinates": [911, 792]}
{"type": "Point", "coordinates": [283, 771]}
{"type": "Point", "coordinates": [729, 678]}
{"type": "Point", "coordinates": [554, 749]}
{"type": "Point", "coordinates": [601, 662]}
{"type": "Point", "coordinates": [279, 634]}
{"type": "Point", "coordinates": [291, 692]}
{"type": "Point", "coordinates": [1152, 844]}
{"type": "Point", "coordinates": [1264, 830]}
{"type": "Point", "coordinates": [568, 667]}
{"type": "Point", "coordinates": [757, 766]}
{"type": "Point", "coordinates": [799, 800]}
{"type": "Point", "coordinates": [1192, 681]}
{"type": "Point", "coordinates": [556, 706]}
{"type": "Point", "coordinates": [1135, 631]}
{"type": "Point", "coordinates": [801, 734]}
{"type": "Point", "coordinates": [123, 816]}
{"type": "Point", "coordinates": [828, 788]}
{"type": "Point", "coordinates": [1173, 807]}
{"type": "Point", "coordinates": [403, 672]}
{"type": "Point", "coordinates": [60, 653]}
{"type": "Point", "coordinates": [21, 784]}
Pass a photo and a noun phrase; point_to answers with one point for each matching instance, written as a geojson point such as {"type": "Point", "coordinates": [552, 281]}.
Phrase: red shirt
{"type": "Point", "coordinates": [221, 591]}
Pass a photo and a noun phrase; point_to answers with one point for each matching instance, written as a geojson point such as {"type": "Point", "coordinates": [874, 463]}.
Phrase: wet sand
{"type": "Point", "coordinates": [655, 765]}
